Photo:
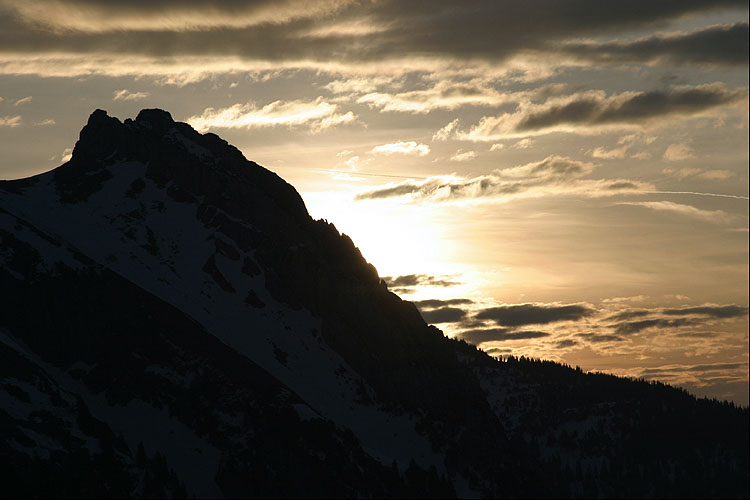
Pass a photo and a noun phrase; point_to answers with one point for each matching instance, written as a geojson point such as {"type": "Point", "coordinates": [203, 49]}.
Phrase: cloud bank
{"type": "Point", "coordinates": [555, 175]}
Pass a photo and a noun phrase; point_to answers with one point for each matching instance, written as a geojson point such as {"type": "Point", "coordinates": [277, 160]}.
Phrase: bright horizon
{"type": "Point", "coordinates": [571, 185]}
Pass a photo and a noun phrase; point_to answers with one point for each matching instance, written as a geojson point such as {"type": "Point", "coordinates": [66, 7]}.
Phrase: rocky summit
{"type": "Point", "coordinates": [173, 323]}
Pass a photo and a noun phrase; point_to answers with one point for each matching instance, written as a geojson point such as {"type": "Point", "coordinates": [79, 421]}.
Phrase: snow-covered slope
{"type": "Point", "coordinates": [175, 323]}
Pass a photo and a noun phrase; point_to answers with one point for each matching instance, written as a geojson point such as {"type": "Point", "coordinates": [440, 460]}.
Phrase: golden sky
{"type": "Point", "coordinates": [566, 180]}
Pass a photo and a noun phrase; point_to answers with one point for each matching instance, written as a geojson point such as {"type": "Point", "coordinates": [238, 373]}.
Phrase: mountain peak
{"type": "Point", "coordinates": [104, 134]}
{"type": "Point", "coordinates": [155, 116]}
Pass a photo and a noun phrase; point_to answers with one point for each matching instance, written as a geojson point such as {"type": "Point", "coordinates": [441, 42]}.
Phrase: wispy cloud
{"type": "Point", "coordinates": [678, 152]}
{"type": "Point", "coordinates": [317, 115]}
{"type": "Point", "coordinates": [716, 174]}
{"type": "Point", "coordinates": [402, 147]}
{"type": "Point", "coordinates": [159, 15]}
{"type": "Point", "coordinates": [462, 155]}
{"type": "Point", "coordinates": [719, 216]}
{"type": "Point", "coordinates": [555, 175]}
{"type": "Point", "coordinates": [447, 131]}
{"type": "Point", "coordinates": [126, 95]}
{"type": "Point", "coordinates": [443, 95]}
{"type": "Point", "coordinates": [10, 121]}
{"type": "Point", "coordinates": [23, 101]}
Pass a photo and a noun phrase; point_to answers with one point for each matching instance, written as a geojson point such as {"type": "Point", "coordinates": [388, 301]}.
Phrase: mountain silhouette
{"type": "Point", "coordinates": [174, 323]}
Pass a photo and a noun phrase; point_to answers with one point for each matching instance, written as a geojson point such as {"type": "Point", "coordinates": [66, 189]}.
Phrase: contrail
{"type": "Point", "coordinates": [716, 195]}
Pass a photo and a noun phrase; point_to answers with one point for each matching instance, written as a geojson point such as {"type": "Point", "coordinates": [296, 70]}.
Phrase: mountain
{"type": "Point", "coordinates": [174, 323]}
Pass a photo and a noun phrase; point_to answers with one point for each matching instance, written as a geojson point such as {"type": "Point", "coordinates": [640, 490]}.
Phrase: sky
{"type": "Point", "coordinates": [562, 180]}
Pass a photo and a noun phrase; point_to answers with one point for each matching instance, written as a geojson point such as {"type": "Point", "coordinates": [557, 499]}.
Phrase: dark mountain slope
{"type": "Point", "coordinates": [184, 298]}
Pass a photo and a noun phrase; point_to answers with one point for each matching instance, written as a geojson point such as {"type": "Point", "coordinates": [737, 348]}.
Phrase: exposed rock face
{"type": "Point", "coordinates": [175, 323]}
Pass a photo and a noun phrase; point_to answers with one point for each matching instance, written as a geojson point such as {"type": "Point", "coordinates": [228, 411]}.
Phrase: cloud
{"type": "Point", "coordinates": [10, 121]}
{"type": "Point", "coordinates": [46, 122]}
{"type": "Point", "coordinates": [356, 85]}
{"type": "Point", "coordinates": [565, 343]}
{"type": "Point", "coordinates": [402, 147]}
{"type": "Point", "coordinates": [480, 336]}
{"type": "Point", "coordinates": [340, 31]}
{"type": "Point", "coordinates": [599, 338]}
{"type": "Point", "coordinates": [462, 155]}
{"type": "Point", "coordinates": [23, 101]}
{"type": "Point", "coordinates": [317, 115]}
{"type": "Point", "coordinates": [446, 132]}
{"type": "Point", "coordinates": [678, 152]}
{"type": "Point", "coordinates": [718, 175]}
{"type": "Point", "coordinates": [531, 314]}
{"type": "Point", "coordinates": [525, 143]}
{"type": "Point", "coordinates": [702, 368]}
{"type": "Point", "coordinates": [412, 280]}
{"type": "Point", "coordinates": [126, 95]}
{"type": "Point", "coordinates": [90, 16]}
{"type": "Point", "coordinates": [436, 303]}
{"type": "Point", "coordinates": [716, 216]}
{"type": "Point", "coordinates": [681, 173]}
{"type": "Point", "coordinates": [610, 154]}
{"type": "Point", "coordinates": [555, 175]}
{"type": "Point", "coordinates": [589, 112]}
{"type": "Point", "coordinates": [444, 315]}
{"type": "Point", "coordinates": [630, 327]}
{"type": "Point", "coordinates": [445, 94]}
{"type": "Point", "coordinates": [672, 317]}
{"type": "Point", "coordinates": [355, 163]}
{"type": "Point", "coordinates": [637, 313]}
{"type": "Point", "coordinates": [66, 155]}
{"type": "Point", "coordinates": [715, 45]}
{"type": "Point", "coordinates": [728, 311]}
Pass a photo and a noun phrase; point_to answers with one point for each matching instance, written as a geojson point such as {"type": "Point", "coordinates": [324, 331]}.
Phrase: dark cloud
{"type": "Point", "coordinates": [729, 311]}
{"type": "Point", "coordinates": [720, 45]}
{"type": "Point", "coordinates": [717, 366]}
{"type": "Point", "coordinates": [561, 344]}
{"type": "Point", "coordinates": [410, 280]}
{"type": "Point", "coordinates": [498, 335]}
{"type": "Point", "coordinates": [720, 312]}
{"type": "Point", "coordinates": [590, 109]}
{"type": "Point", "coordinates": [622, 186]}
{"type": "Point", "coordinates": [444, 315]}
{"type": "Point", "coordinates": [407, 187]}
{"type": "Point", "coordinates": [435, 303]}
{"type": "Point", "coordinates": [530, 314]}
{"type": "Point", "coordinates": [636, 313]}
{"type": "Point", "coordinates": [295, 30]}
{"type": "Point", "coordinates": [598, 338]}
{"type": "Point", "coordinates": [631, 327]}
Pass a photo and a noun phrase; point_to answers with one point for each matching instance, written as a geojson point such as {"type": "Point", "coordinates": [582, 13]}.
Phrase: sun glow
{"type": "Point", "coordinates": [391, 237]}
